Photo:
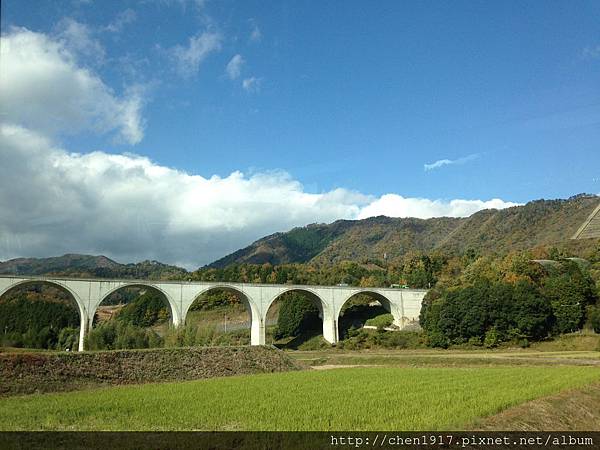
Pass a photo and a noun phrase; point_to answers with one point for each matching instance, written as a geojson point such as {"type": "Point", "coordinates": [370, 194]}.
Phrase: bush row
{"type": "Point", "coordinates": [25, 373]}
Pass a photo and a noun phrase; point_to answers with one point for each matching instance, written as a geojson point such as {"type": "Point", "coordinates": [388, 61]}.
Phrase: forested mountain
{"type": "Point", "coordinates": [538, 223]}
{"type": "Point", "coordinates": [73, 265]}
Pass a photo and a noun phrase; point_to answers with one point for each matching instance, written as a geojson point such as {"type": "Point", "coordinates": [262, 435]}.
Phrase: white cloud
{"type": "Point", "coordinates": [255, 34]}
{"type": "Point", "coordinates": [129, 208]}
{"type": "Point", "coordinates": [123, 18]}
{"type": "Point", "coordinates": [252, 84]}
{"type": "Point", "coordinates": [447, 162]}
{"type": "Point", "coordinates": [78, 38]}
{"type": "Point", "coordinates": [591, 52]}
{"type": "Point", "coordinates": [234, 67]}
{"type": "Point", "coordinates": [198, 4]}
{"type": "Point", "coordinates": [393, 205]}
{"type": "Point", "coordinates": [43, 87]}
{"type": "Point", "coordinates": [188, 59]}
{"type": "Point", "coordinates": [54, 201]}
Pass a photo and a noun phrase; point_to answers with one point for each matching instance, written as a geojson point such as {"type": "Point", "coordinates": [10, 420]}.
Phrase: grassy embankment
{"type": "Point", "coordinates": [384, 398]}
{"type": "Point", "coordinates": [28, 372]}
{"type": "Point", "coordinates": [572, 409]}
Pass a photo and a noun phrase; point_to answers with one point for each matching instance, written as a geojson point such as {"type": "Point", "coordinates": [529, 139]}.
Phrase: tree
{"type": "Point", "coordinates": [146, 310]}
{"type": "Point", "coordinates": [486, 311]}
{"type": "Point", "coordinates": [297, 314]}
{"type": "Point", "coordinates": [569, 294]}
{"type": "Point", "coordinates": [594, 316]}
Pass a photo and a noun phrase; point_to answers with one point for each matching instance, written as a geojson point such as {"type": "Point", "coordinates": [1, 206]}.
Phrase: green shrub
{"type": "Point", "coordinates": [524, 343]}
{"type": "Point", "coordinates": [205, 336]}
{"type": "Point", "coordinates": [437, 339]}
{"type": "Point", "coordinates": [366, 338]}
{"type": "Point", "coordinates": [475, 341]}
{"type": "Point", "coordinates": [13, 339]}
{"type": "Point", "coordinates": [381, 321]}
{"type": "Point", "coordinates": [569, 292]}
{"type": "Point", "coordinates": [112, 335]}
{"type": "Point", "coordinates": [35, 323]}
{"type": "Point", "coordinates": [297, 314]}
{"type": "Point", "coordinates": [214, 299]}
{"type": "Point", "coordinates": [397, 339]}
{"type": "Point", "coordinates": [491, 338]}
{"type": "Point", "coordinates": [594, 317]}
{"type": "Point", "coordinates": [68, 338]}
{"type": "Point", "coordinates": [148, 309]}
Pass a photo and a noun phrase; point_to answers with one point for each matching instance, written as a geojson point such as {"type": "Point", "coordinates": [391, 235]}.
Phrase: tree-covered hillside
{"type": "Point", "coordinates": [538, 223]}
{"type": "Point", "coordinates": [79, 266]}
{"type": "Point", "coordinates": [541, 222]}
{"type": "Point", "coordinates": [373, 244]}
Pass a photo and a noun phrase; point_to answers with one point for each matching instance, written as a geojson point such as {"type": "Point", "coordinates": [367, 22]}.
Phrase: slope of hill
{"type": "Point", "coordinates": [88, 266]}
{"type": "Point", "coordinates": [38, 266]}
{"type": "Point", "coordinates": [298, 245]}
{"type": "Point", "coordinates": [538, 223]}
{"type": "Point", "coordinates": [541, 222]}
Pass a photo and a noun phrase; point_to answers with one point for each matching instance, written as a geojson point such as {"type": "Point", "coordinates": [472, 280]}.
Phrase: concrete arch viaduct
{"type": "Point", "coordinates": [403, 304]}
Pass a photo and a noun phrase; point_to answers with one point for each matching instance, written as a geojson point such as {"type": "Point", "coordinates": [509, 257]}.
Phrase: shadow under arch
{"type": "Point", "coordinates": [74, 298]}
{"type": "Point", "coordinates": [54, 284]}
{"type": "Point", "coordinates": [248, 303]}
{"type": "Point", "coordinates": [315, 299]}
{"type": "Point", "coordinates": [142, 286]}
{"type": "Point", "coordinates": [357, 315]}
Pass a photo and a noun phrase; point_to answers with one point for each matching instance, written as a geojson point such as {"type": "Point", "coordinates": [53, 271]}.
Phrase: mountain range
{"type": "Point", "coordinates": [74, 265]}
{"type": "Point", "coordinates": [537, 223]}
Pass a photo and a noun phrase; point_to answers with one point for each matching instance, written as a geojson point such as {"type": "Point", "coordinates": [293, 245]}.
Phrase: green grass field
{"type": "Point", "coordinates": [445, 358]}
{"type": "Point", "coordinates": [382, 398]}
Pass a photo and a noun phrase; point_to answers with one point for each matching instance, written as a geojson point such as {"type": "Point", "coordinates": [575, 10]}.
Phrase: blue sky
{"type": "Point", "coordinates": [425, 101]}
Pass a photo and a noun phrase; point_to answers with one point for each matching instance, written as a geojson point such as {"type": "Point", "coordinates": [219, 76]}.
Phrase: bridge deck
{"type": "Point", "coordinates": [200, 283]}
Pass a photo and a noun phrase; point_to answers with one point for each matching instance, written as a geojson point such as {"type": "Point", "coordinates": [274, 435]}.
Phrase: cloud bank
{"type": "Point", "coordinates": [55, 201]}
{"type": "Point", "coordinates": [394, 205]}
{"type": "Point", "coordinates": [43, 88]}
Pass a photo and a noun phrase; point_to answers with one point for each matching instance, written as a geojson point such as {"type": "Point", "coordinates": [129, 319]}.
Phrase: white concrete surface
{"type": "Point", "coordinates": [404, 304]}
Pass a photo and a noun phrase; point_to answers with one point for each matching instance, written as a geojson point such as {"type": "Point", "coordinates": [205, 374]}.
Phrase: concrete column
{"type": "Point", "coordinates": [257, 332]}
{"type": "Point", "coordinates": [83, 328]}
{"type": "Point", "coordinates": [397, 314]}
{"type": "Point", "coordinates": [176, 320]}
{"type": "Point", "coordinates": [330, 328]}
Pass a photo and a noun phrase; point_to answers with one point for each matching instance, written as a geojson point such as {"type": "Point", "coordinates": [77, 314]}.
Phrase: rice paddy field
{"type": "Point", "coordinates": [362, 398]}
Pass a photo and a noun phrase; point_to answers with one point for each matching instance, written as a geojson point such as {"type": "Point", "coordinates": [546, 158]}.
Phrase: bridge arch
{"type": "Point", "coordinates": [323, 309]}
{"type": "Point", "coordinates": [311, 294]}
{"type": "Point", "coordinates": [173, 311]}
{"type": "Point", "coordinates": [63, 288]}
{"type": "Point", "coordinates": [55, 284]}
{"type": "Point", "coordinates": [373, 294]}
{"type": "Point", "coordinates": [246, 300]}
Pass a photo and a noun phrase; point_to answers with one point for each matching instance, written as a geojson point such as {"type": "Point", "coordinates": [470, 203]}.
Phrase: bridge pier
{"type": "Point", "coordinates": [330, 330]}
{"type": "Point", "coordinates": [257, 332]}
{"type": "Point", "coordinates": [83, 328]}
